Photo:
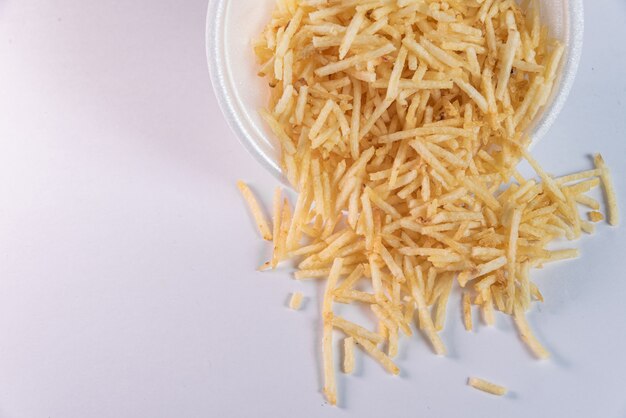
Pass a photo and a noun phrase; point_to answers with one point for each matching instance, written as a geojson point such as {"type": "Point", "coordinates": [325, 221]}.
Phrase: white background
{"type": "Point", "coordinates": [127, 259]}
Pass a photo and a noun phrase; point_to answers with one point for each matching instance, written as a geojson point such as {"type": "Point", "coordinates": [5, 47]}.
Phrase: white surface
{"type": "Point", "coordinates": [232, 24]}
{"type": "Point", "coordinates": [127, 282]}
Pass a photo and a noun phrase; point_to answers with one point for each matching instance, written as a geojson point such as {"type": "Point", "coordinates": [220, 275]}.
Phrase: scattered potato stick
{"type": "Point", "coordinates": [425, 319]}
{"type": "Point", "coordinates": [587, 201]}
{"type": "Point", "coordinates": [256, 211]}
{"type": "Point", "coordinates": [317, 273]}
{"type": "Point", "coordinates": [467, 311]}
{"type": "Point", "coordinates": [563, 254]}
{"type": "Point", "coordinates": [330, 388]}
{"type": "Point", "coordinates": [582, 175]}
{"type": "Point", "coordinates": [609, 190]}
{"type": "Point", "coordinates": [355, 330]}
{"type": "Point", "coordinates": [285, 141]}
{"type": "Point", "coordinates": [481, 192]}
{"type": "Point", "coordinates": [583, 186]}
{"type": "Point", "coordinates": [481, 270]}
{"type": "Point", "coordinates": [296, 301]}
{"type": "Point", "coordinates": [352, 278]}
{"type": "Point", "coordinates": [587, 227]}
{"type": "Point", "coordinates": [440, 311]}
{"type": "Point", "coordinates": [487, 307]}
{"type": "Point", "coordinates": [512, 255]}
{"type": "Point", "coordinates": [308, 249]}
{"type": "Point", "coordinates": [331, 283]}
{"type": "Point", "coordinates": [485, 283]}
{"type": "Point", "coordinates": [548, 181]}
{"type": "Point", "coordinates": [348, 355]}
{"type": "Point", "coordinates": [276, 224]}
{"type": "Point", "coordinates": [265, 266]}
{"type": "Point", "coordinates": [357, 295]}
{"type": "Point", "coordinates": [330, 385]}
{"type": "Point", "coordinates": [486, 252]}
{"type": "Point", "coordinates": [595, 216]}
{"type": "Point", "coordinates": [526, 334]}
{"type": "Point", "coordinates": [486, 386]}
{"type": "Point", "coordinates": [382, 358]}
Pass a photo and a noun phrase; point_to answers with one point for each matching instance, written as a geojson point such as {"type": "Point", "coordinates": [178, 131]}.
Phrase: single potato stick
{"type": "Point", "coordinates": [467, 311]}
{"type": "Point", "coordinates": [595, 216]}
{"type": "Point", "coordinates": [486, 386]}
{"type": "Point", "coordinates": [255, 208]}
{"type": "Point", "coordinates": [296, 301]}
{"type": "Point", "coordinates": [609, 189]}
{"type": "Point", "coordinates": [348, 355]}
{"type": "Point", "coordinates": [526, 334]}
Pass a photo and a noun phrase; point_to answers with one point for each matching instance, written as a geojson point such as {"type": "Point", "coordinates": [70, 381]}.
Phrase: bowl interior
{"type": "Point", "coordinates": [231, 24]}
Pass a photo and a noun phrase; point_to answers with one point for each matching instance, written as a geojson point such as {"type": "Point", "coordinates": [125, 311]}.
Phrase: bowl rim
{"type": "Point", "coordinates": [246, 134]}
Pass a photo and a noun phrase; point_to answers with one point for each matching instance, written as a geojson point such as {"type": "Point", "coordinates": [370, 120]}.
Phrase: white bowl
{"type": "Point", "coordinates": [231, 24]}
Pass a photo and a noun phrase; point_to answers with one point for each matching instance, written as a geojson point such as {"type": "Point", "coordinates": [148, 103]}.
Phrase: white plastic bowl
{"type": "Point", "coordinates": [231, 24]}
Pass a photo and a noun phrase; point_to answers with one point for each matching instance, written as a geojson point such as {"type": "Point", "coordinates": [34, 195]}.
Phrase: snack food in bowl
{"type": "Point", "coordinates": [233, 24]}
{"type": "Point", "coordinates": [401, 123]}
